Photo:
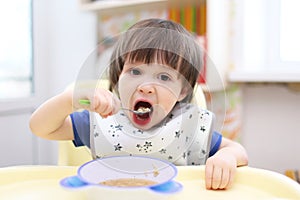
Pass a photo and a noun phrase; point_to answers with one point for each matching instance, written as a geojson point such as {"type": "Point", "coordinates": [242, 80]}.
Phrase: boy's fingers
{"type": "Point", "coordinates": [208, 176]}
{"type": "Point", "coordinates": [116, 104]}
{"type": "Point", "coordinates": [225, 179]}
{"type": "Point", "coordinates": [216, 177]}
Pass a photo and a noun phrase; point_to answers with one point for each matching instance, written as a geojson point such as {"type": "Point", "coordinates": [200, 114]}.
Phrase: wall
{"type": "Point", "coordinates": [271, 111]}
{"type": "Point", "coordinates": [271, 122]}
{"type": "Point", "coordinates": [17, 146]}
{"type": "Point", "coordinates": [63, 38]}
{"type": "Point", "coordinates": [67, 36]}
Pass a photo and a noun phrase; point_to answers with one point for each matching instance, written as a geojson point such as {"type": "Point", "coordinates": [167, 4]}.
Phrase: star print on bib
{"type": "Point", "coordinates": [184, 134]}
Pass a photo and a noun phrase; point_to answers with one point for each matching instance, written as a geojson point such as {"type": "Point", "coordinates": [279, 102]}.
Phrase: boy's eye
{"type": "Point", "coordinates": [135, 72]}
{"type": "Point", "coordinates": [164, 77]}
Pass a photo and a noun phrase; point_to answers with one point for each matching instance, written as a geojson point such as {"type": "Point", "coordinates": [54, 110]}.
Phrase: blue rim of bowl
{"type": "Point", "coordinates": [129, 187]}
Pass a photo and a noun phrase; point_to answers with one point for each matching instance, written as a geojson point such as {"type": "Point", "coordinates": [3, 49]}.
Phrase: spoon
{"type": "Point", "coordinates": [140, 111]}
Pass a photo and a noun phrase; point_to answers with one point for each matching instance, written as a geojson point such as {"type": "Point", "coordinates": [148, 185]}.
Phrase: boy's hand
{"type": "Point", "coordinates": [220, 170]}
{"type": "Point", "coordinates": [103, 102]}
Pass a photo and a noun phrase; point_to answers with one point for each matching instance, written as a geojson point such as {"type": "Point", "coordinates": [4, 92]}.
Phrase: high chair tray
{"type": "Point", "coordinates": [42, 182]}
{"type": "Point", "coordinates": [250, 183]}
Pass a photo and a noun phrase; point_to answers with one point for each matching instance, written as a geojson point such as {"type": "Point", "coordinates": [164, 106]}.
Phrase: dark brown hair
{"type": "Point", "coordinates": [156, 40]}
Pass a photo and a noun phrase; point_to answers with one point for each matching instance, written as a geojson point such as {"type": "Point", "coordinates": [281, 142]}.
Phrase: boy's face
{"type": "Point", "coordinates": [152, 86]}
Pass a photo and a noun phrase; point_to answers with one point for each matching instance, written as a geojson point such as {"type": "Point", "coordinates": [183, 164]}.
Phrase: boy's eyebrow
{"type": "Point", "coordinates": [172, 70]}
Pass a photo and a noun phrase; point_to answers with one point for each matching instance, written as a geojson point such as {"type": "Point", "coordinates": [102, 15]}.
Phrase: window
{"type": "Point", "coordinates": [289, 31]}
{"type": "Point", "coordinates": [283, 44]}
{"type": "Point", "coordinates": [266, 41]}
{"type": "Point", "coordinates": [16, 57]}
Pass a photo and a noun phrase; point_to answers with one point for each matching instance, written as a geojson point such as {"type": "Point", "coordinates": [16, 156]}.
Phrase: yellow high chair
{"type": "Point", "coordinates": [69, 155]}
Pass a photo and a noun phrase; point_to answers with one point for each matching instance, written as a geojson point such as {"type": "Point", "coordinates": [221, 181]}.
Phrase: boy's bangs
{"type": "Point", "coordinates": [150, 55]}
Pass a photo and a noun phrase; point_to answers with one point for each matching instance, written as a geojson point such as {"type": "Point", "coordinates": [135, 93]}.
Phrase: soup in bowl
{"type": "Point", "coordinates": [134, 174]}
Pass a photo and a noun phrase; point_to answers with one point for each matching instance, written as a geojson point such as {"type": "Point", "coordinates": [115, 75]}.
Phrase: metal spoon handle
{"type": "Point", "coordinates": [87, 102]}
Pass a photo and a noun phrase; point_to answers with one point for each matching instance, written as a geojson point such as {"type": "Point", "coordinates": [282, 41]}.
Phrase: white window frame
{"type": "Point", "coordinates": [28, 104]}
{"type": "Point", "coordinates": [256, 44]}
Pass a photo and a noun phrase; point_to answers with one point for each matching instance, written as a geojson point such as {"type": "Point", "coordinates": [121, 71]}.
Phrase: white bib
{"type": "Point", "coordinates": [182, 138]}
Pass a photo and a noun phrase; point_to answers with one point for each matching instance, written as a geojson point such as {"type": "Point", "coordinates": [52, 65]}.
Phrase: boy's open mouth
{"type": "Point", "coordinates": [142, 106]}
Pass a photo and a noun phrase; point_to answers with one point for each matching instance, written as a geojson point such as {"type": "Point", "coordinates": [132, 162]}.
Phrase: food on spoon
{"type": "Point", "coordinates": [143, 110]}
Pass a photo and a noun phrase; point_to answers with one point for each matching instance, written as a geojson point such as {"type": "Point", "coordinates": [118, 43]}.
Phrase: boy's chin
{"type": "Point", "coordinates": [142, 125]}
{"type": "Point", "coordinates": [148, 124]}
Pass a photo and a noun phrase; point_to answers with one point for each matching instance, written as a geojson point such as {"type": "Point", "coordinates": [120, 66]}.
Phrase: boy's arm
{"type": "Point", "coordinates": [221, 167]}
{"type": "Point", "coordinates": [51, 120]}
{"type": "Point", "coordinates": [236, 149]}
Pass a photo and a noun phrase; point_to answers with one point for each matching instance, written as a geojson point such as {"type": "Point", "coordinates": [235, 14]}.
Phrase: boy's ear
{"type": "Point", "coordinates": [183, 94]}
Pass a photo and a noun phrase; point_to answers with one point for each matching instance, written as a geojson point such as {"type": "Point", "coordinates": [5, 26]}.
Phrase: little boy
{"type": "Point", "coordinates": [154, 66]}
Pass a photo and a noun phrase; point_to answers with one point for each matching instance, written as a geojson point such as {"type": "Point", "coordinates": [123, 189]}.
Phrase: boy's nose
{"type": "Point", "coordinates": [146, 89]}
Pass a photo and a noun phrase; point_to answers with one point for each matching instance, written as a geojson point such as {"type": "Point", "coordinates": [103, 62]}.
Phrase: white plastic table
{"type": "Point", "coordinates": [42, 182]}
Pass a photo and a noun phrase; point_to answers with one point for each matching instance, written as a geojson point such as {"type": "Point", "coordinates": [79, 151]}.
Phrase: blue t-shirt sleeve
{"type": "Point", "coordinates": [81, 128]}
{"type": "Point", "coordinates": [215, 143]}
